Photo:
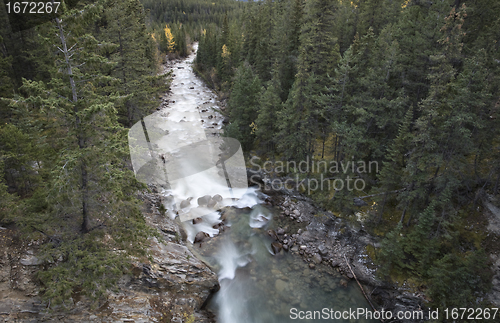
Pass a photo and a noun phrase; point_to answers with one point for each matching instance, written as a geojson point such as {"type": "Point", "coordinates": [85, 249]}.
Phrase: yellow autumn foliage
{"type": "Point", "coordinates": [170, 39]}
{"type": "Point", "coordinates": [225, 52]}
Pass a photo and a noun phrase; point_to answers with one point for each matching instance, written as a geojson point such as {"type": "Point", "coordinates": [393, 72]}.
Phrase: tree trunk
{"type": "Point", "coordinates": [80, 136]}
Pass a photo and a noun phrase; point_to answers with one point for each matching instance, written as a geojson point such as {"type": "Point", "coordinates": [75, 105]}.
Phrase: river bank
{"type": "Point", "coordinates": [319, 237]}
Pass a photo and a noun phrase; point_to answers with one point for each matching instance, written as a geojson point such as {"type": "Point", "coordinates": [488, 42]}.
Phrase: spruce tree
{"type": "Point", "coordinates": [243, 106]}
{"type": "Point", "coordinates": [89, 192]}
{"type": "Point", "coordinates": [269, 108]}
{"type": "Point", "coordinates": [133, 54]}
{"type": "Point", "coordinates": [304, 112]}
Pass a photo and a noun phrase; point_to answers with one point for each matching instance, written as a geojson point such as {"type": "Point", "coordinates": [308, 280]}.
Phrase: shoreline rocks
{"type": "Point", "coordinates": [173, 281]}
{"type": "Point", "coordinates": [324, 239]}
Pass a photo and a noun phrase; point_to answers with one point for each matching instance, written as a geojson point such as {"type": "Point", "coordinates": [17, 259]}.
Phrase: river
{"type": "Point", "coordinates": [256, 285]}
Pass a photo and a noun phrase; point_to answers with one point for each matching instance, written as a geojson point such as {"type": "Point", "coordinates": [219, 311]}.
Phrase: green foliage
{"type": "Point", "coordinates": [66, 176]}
{"type": "Point", "coordinates": [391, 253]}
{"type": "Point", "coordinates": [132, 51]}
{"type": "Point", "coordinates": [7, 201]}
{"type": "Point", "coordinates": [269, 109]}
{"type": "Point", "coordinates": [457, 281]}
{"type": "Point", "coordinates": [411, 85]}
{"type": "Point", "coordinates": [83, 264]}
{"type": "Point", "coordinates": [243, 106]}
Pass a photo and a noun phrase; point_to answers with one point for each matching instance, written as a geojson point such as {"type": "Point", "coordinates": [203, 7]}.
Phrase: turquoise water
{"type": "Point", "coordinates": [258, 287]}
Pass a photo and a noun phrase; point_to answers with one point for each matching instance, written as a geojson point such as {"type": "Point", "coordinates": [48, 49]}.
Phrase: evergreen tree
{"type": "Point", "coordinates": [269, 109]}
{"type": "Point", "coordinates": [392, 173]}
{"type": "Point", "coordinates": [286, 35]}
{"type": "Point", "coordinates": [243, 106]}
{"type": "Point", "coordinates": [88, 193]}
{"type": "Point", "coordinates": [135, 66]}
{"type": "Point", "coordinates": [305, 113]}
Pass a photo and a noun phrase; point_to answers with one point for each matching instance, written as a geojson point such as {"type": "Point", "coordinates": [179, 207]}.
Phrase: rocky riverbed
{"type": "Point", "coordinates": [172, 287]}
{"type": "Point", "coordinates": [319, 237]}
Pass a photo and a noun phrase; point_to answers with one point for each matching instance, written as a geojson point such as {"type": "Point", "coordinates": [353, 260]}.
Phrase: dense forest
{"type": "Point", "coordinates": [70, 88]}
{"type": "Point", "coordinates": [185, 20]}
{"type": "Point", "coordinates": [411, 85]}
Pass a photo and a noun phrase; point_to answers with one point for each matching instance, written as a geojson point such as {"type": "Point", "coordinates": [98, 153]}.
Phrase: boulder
{"type": "Point", "coordinates": [30, 260]}
{"type": "Point", "coordinates": [203, 201]}
{"type": "Point", "coordinates": [200, 236]}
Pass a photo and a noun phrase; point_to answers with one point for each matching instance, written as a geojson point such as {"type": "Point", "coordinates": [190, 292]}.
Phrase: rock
{"type": "Point", "coordinates": [30, 260]}
{"type": "Point", "coordinates": [343, 283]}
{"type": "Point", "coordinates": [322, 250]}
{"type": "Point", "coordinates": [203, 201]}
{"type": "Point", "coordinates": [280, 231]}
{"type": "Point", "coordinates": [280, 285]}
{"type": "Point", "coordinates": [214, 200]}
{"type": "Point", "coordinates": [276, 247]}
{"type": "Point", "coordinates": [272, 234]}
{"type": "Point", "coordinates": [359, 202]}
{"type": "Point", "coordinates": [299, 231]}
{"type": "Point", "coordinates": [183, 233]}
{"type": "Point", "coordinates": [316, 258]}
{"type": "Point", "coordinates": [312, 265]}
{"type": "Point", "coordinates": [197, 220]}
{"type": "Point", "coordinates": [295, 248]}
{"type": "Point", "coordinates": [285, 247]}
{"type": "Point", "coordinates": [296, 212]}
{"type": "Point", "coordinates": [303, 247]}
{"type": "Point", "coordinates": [191, 87]}
{"type": "Point", "coordinates": [186, 203]}
{"type": "Point", "coordinates": [200, 236]}
{"type": "Point", "coordinates": [211, 204]}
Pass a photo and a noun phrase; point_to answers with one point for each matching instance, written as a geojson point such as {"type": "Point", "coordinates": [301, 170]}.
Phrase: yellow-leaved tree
{"type": "Point", "coordinates": [170, 39]}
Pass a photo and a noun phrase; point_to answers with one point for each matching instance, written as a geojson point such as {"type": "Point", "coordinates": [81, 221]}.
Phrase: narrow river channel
{"type": "Point", "coordinates": [256, 285]}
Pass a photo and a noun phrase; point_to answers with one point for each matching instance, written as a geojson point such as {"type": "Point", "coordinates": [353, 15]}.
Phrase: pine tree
{"type": "Point", "coordinates": [135, 66]}
{"type": "Point", "coordinates": [287, 26]}
{"type": "Point", "coordinates": [392, 173]}
{"type": "Point", "coordinates": [269, 108]}
{"type": "Point", "coordinates": [88, 194]}
{"type": "Point", "coordinates": [8, 201]}
{"type": "Point", "coordinates": [444, 131]}
{"type": "Point", "coordinates": [243, 106]}
{"type": "Point", "coordinates": [318, 56]}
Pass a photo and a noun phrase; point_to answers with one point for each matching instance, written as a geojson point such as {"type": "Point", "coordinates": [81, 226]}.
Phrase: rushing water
{"type": "Point", "coordinates": [256, 286]}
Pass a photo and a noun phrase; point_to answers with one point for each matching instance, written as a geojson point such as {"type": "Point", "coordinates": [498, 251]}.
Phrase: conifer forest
{"type": "Point", "coordinates": [383, 115]}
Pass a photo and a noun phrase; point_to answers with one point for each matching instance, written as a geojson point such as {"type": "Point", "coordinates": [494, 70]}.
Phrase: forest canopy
{"type": "Point", "coordinates": [412, 85]}
{"type": "Point", "coordinates": [69, 90]}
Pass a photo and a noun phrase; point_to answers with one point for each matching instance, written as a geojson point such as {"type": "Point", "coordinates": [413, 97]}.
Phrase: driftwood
{"type": "Point", "coordinates": [361, 287]}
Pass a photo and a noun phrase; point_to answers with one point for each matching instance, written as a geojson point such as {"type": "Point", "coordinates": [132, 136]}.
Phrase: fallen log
{"type": "Point", "coordinates": [361, 287]}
